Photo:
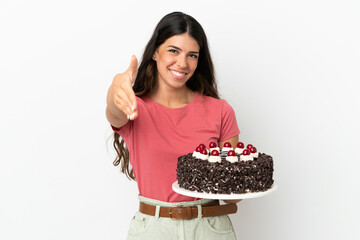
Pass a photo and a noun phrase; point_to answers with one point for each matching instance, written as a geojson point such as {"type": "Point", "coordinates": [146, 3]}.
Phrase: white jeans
{"type": "Point", "coordinates": [158, 228]}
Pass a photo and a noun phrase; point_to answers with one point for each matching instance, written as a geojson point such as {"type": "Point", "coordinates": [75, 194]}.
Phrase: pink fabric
{"type": "Point", "coordinates": [159, 135]}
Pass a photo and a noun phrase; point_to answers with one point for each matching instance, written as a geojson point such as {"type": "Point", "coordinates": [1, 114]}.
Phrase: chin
{"type": "Point", "coordinates": [178, 86]}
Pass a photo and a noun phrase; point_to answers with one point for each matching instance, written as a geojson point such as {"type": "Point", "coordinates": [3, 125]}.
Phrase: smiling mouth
{"type": "Point", "coordinates": [178, 74]}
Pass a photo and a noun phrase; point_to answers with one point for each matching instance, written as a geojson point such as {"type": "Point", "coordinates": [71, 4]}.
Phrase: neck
{"type": "Point", "coordinates": [173, 98]}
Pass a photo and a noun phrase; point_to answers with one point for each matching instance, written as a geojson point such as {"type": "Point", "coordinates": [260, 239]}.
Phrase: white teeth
{"type": "Point", "coordinates": [178, 74]}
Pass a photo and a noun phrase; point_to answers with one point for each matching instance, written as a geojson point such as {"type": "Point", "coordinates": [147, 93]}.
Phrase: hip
{"type": "Point", "coordinates": [147, 226]}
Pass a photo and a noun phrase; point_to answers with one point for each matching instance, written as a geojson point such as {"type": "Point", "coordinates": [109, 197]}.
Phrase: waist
{"type": "Point", "coordinates": [185, 210]}
{"type": "Point", "coordinates": [155, 202]}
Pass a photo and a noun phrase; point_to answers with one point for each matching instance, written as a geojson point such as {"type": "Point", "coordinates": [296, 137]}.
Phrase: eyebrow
{"type": "Point", "coordinates": [177, 48]}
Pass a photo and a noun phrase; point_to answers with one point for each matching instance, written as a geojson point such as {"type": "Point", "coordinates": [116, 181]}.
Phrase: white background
{"type": "Point", "coordinates": [290, 69]}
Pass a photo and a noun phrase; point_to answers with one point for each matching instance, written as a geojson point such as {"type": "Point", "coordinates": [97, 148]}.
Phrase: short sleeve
{"type": "Point", "coordinates": [229, 126]}
{"type": "Point", "coordinates": [124, 131]}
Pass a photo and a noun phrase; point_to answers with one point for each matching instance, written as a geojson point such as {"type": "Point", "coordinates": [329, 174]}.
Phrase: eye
{"type": "Point", "coordinates": [173, 51]}
{"type": "Point", "coordinates": [194, 56]}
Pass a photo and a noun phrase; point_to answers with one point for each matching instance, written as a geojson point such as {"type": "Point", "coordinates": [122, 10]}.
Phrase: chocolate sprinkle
{"type": "Point", "coordinates": [225, 177]}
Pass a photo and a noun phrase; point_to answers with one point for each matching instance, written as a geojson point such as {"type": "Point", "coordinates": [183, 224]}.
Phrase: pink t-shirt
{"type": "Point", "coordinates": [159, 135]}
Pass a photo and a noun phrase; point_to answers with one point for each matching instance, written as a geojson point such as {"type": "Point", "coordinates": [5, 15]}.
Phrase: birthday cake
{"type": "Point", "coordinates": [225, 171]}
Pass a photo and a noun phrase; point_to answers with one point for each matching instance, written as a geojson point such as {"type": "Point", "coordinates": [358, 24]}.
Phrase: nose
{"type": "Point", "coordinates": [182, 61]}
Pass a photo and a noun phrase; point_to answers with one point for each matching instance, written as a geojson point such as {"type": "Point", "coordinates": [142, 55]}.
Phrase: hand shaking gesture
{"type": "Point", "coordinates": [122, 95]}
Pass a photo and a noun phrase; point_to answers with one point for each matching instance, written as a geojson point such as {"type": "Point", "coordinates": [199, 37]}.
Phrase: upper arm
{"type": "Point", "coordinates": [229, 129]}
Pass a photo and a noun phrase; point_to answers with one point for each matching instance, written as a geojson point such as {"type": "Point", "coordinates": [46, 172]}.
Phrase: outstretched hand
{"type": "Point", "coordinates": [124, 96]}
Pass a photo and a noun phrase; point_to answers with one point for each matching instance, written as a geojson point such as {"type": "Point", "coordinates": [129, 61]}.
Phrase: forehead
{"type": "Point", "coordinates": [183, 41]}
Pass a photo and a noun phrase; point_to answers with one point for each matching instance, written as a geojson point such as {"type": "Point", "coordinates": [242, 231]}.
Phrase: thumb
{"type": "Point", "coordinates": [133, 68]}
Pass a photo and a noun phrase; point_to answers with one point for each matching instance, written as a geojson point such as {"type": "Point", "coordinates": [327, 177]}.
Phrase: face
{"type": "Point", "coordinates": [176, 60]}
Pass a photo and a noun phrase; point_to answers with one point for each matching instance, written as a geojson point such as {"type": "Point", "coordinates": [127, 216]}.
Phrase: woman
{"type": "Point", "coordinates": [162, 111]}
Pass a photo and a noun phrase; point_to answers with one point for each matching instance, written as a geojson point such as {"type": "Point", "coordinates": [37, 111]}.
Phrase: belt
{"type": "Point", "coordinates": [207, 210]}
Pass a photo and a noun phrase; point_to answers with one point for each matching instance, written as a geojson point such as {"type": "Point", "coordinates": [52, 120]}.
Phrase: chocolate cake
{"type": "Point", "coordinates": [226, 171]}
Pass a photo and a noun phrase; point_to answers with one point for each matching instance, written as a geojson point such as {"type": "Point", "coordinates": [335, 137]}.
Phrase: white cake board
{"type": "Point", "coordinates": [178, 189]}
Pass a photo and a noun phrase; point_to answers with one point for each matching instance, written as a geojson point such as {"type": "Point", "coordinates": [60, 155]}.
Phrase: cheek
{"type": "Point", "coordinates": [193, 65]}
{"type": "Point", "coordinates": [167, 60]}
{"type": "Point", "coordinates": [163, 64]}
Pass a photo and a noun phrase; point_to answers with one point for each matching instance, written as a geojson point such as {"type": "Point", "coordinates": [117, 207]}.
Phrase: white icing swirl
{"type": "Point", "coordinates": [254, 155]}
{"type": "Point", "coordinates": [214, 159]}
{"type": "Point", "coordinates": [246, 158]}
{"type": "Point", "coordinates": [239, 150]}
{"type": "Point", "coordinates": [215, 148]}
{"type": "Point", "coordinates": [232, 159]}
{"type": "Point", "coordinates": [226, 149]}
{"type": "Point", "coordinates": [203, 156]}
{"type": "Point", "coordinates": [196, 154]}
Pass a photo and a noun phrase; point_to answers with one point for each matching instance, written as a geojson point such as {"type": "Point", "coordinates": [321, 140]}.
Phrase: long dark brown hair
{"type": "Point", "coordinates": [202, 81]}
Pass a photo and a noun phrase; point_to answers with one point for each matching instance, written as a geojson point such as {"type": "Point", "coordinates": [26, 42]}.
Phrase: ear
{"type": "Point", "coordinates": [154, 57]}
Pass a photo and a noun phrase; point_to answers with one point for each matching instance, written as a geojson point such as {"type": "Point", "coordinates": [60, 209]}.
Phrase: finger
{"type": "Point", "coordinates": [123, 102]}
{"type": "Point", "coordinates": [134, 109]}
{"type": "Point", "coordinates": [133, 101]}
{"type": "Point", "coordinates": [133, 68]}
{"type": "Point", "coordinates": [132, 98]}
{"type": "Point", "coordinates": [130, 94]}
{"type": "Point", "coordinates": [134, 115]}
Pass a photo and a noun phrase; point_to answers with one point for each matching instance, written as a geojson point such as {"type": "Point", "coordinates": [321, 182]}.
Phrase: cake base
{"type": "Point", "coordinates": [220, 196]}
{"type": "Point", "coordinates": [225, 178]}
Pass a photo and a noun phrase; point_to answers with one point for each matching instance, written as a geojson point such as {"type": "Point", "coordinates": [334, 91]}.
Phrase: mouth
{"type": "Point", "coordinates": [178, 75]}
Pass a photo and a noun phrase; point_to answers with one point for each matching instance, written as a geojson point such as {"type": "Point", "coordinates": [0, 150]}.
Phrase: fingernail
{"type": "Point", "coordinates": [132, 116]}
{"type": "Point", "coordinates": [128, 116]}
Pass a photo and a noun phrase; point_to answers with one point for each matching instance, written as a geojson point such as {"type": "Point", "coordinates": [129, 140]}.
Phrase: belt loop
{"type": "Point", "coordinates": [157, 212]}
{"type": "Point", "coordinates": [199, 211]}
